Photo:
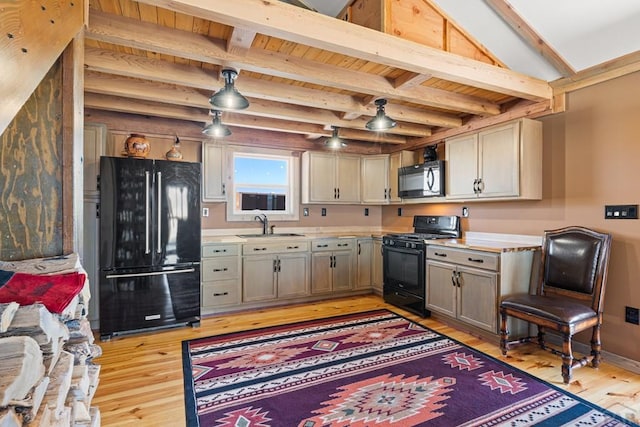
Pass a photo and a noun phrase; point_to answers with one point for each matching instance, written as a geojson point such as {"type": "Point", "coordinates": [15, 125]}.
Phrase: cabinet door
{"type": "Point", "coordinates": [499, 157]}
{"type": "Point", "coordinates": [321, 180]}
{"type": "Point", "coordinates": [90, 257]}
{"type": "Point", "coordinates": [343, 274]}
{"type": "Point", "coordinates": [213, 186]}
{"type": "Point", "coordinates": [348, 178]}
{"type": "Point", "coordinates": [321, 272]}
{"type": "Point", "coordinates": [363, 272]}
{"type": "Point", "coordinates": [375, 182]}
{"type": "Point", "coordinates": [376, 268]}
{"type": "Point", "coordinates": [477, 298]}
{"type": "Point", "coordinates": [293, 275]}
{"type": "Point", "coordinates": [462, 166]}
{"type": "Point", "coordinates": [440, 292]}
{"type": "Point", "coordinates": [258, 278]}
{"type": "Point", "coordinates": [95, 137]}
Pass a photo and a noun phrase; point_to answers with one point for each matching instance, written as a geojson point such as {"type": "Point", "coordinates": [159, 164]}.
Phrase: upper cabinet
{"type": "Point", "coordinates": [328, 177]}
{"type": "Point", "coordinates": [375, 179]}
{"type": "Point", "coordinates": [95, 137]}
{"type": "Point", "coordinates": [213, 184]}
{"type": "Point", "coordinates": [501, 162]}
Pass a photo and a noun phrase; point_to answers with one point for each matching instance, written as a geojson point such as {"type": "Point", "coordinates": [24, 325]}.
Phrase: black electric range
{"type": "Point", "coordinates": [404, 260]}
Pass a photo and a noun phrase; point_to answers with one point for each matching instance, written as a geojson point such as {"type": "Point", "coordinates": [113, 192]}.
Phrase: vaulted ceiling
{"type": "Point", "coordinates": [302, 71]}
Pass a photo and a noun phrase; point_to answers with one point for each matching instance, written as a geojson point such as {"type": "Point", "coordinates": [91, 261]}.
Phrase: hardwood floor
{"type": "Point", "coordinates": [141, 380]}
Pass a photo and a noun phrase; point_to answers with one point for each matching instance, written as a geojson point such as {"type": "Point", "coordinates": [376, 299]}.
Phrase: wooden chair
{"type": "Point", "coordinates": [569, 296]}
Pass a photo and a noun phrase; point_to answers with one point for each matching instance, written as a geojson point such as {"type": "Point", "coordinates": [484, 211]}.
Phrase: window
{"type": "Point", "coordinates": [262, 181]}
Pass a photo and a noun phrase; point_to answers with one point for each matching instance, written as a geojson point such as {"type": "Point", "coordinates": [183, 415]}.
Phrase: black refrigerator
{"type": "Point", "coordinates": [149, 244]}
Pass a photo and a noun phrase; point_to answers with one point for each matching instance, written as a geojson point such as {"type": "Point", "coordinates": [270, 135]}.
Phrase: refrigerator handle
{"type": "Point", "coordinates": [147, 201]}
{"type": "Point", "coordinates": [159, 245]}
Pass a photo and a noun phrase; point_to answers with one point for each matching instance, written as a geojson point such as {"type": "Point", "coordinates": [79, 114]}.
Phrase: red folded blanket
{"type": "Point", "coordinates": [54, 291]}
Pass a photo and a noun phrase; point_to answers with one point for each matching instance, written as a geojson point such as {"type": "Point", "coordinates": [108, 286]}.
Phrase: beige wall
{"type": "Point", "coordinates": [591, 155]}
{"type": "Point", "coordinates": [337, 216]}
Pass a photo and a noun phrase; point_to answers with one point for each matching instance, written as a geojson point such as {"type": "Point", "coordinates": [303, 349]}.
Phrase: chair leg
{"type": "Point", "coordinates": [504, 333]}
{"type": "Point", "coordinates": [541, 334]}
{"type": "Point", "coordinates": [567, 359]}
{"type": "Point", "coordinates": [596, 347]}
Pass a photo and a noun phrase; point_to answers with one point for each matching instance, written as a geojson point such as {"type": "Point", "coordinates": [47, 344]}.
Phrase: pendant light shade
{"type": "Point", "coordinates": [335, 142]}
{"type": "Point", "coordinates": [381, 121]}
{"type": "Point", "coordinates": [228, 98]}
{"type": "Point", "coordinates": [216, 129]}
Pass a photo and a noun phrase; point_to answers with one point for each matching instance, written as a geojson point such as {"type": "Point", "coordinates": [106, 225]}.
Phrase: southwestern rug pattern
{"type": "Point", "coordinates": [367, 369]}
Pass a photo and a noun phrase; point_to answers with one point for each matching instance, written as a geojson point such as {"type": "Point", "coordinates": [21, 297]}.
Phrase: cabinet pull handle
{"type": "Point", "coordinates": [359, 248]}
{"type": "Point", "coordinates": [220, 295]}
{"type": "Point", "coordinates": [219, 250]}
{"type": "Point", "coordinates": [321, 246]}
{"type": "Point", "coordinates": [279, 264]}
{"type": "Point", "coordinates": [476, 189]}
{"type": "Point", "coordinates": [479, 260]}
{"type": "Point", "coordinates": [220, 269]}
{"type": "Point", "coordinates": [480, 185]}
{"type": "Point", "coordinates": [453, 279]}
{"type": "Point", "coordinates": [335, 193]}
{"type": "Point", "coordinates": [259, 249]}
{"type": "Point", "coordinates": [224, 189]}
{"type": "Point", "coordinates": [440, 254]}
{"type": "Point", "coordinates": [338, 193]}
{"type": "Point", "coordinates": [293, 247]}
{"type": "Point", "coordinates": [340, 245]}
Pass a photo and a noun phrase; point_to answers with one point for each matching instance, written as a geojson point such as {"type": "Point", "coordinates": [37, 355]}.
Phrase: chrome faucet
{"type": "Point", "coordinates": [265, 222]}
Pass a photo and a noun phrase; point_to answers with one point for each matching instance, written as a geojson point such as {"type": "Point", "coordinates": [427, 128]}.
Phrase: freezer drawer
{"type": "Point", "coordinates": [136, 300]}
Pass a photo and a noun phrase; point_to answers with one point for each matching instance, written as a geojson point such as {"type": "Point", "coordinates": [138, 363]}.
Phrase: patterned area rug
{"type": "Point", "coordinates": [368, 369]}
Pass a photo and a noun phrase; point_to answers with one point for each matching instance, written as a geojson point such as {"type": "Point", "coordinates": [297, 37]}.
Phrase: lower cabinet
{"type": "Point", "coordinates": [364, 252]}
{"type": "Point", "coordinates": [332, 265]}
{"type": "Point", "coordinates": [275, 271]}
{"type": "Point", "coordinates": [377, 275]}
{"type": "Point", "coordinates": [466, 285]}
{"type": "Point", "coordinates": [221, 276]}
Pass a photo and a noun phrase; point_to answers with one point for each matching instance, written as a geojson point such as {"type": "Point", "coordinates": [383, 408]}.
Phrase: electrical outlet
{"type": "Point", "coordinates": [465, 212]}
{"type": "Point", "coordinates": [205, 211]}
{"type": "Point", "coordinates": [305, 211]}
{"type": "Point", "coordinates": [399, 211]}
{"type": "Point", "coordinates": [632, 315]}
{"type": "Point", "coordinates": [366, 211]}
{"type": "Point", "coordinates": [323, 212]}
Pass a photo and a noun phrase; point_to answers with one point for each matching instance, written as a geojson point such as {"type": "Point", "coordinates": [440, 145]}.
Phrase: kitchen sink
{"type": "Point", "coordinates": [270, 235]}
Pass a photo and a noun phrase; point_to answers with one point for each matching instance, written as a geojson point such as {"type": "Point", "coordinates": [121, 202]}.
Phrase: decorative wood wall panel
{"type": "Point", "coordinates": [31, 175]}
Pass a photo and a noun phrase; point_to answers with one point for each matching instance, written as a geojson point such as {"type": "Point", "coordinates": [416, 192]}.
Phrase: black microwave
{"type": "Point", "coordinates": [422, 180]}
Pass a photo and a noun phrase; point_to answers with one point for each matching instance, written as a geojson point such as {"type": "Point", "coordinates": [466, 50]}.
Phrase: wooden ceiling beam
{"type": "Point", "coordinates": [122, 104]}
{"type": "Point", "coordinates": [278, 19]}
{"type": "Point", "coordinates": [505, 11]}
{"type": "Point", "coordinates": [158, 70]}
{"type": "Point", "coordinates": [179, 95]}
{"type": "Point", "coordinates": [118, 30]}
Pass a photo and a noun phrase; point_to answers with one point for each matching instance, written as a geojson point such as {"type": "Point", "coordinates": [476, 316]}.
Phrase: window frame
{"type": "Point", "coordinates": [292, 213]}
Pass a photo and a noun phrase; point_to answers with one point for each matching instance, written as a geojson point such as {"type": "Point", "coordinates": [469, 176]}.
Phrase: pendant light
{"type": "Point", "coordinates": [381, 121]}
{"type": "Point", "coordinates": [216, 129]}
{"type": "Point", "coordinates": [335, 142]}
{"type": "Point", "coordinates": [228, 98]}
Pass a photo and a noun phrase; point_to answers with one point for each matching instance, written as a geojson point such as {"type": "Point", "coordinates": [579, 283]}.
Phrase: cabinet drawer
{"type": "Point", "coordinates": [219, 250]}
{"type": "Point", "coordinates": [223, 292]}
{"type": "Point", "coordinates": [478, 259]}
{"type": "Point", "coordinates": [332, 244]}
{"type": "Point", "coordinates": [219, 268]}
{"type": "Point", "coordinates": [275, 247]}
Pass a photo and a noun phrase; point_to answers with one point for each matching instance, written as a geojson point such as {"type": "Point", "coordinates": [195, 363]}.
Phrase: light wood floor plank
{"type": "Point", "coordinates": [141, 378]}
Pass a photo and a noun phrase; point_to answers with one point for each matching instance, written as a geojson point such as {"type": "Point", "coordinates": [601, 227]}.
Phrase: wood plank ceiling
{"type": "Point", "coordinates": [303, 72]}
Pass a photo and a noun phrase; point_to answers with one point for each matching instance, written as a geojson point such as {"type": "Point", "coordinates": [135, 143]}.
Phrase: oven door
{"type": "Point", "coordinates": [403, 269]}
